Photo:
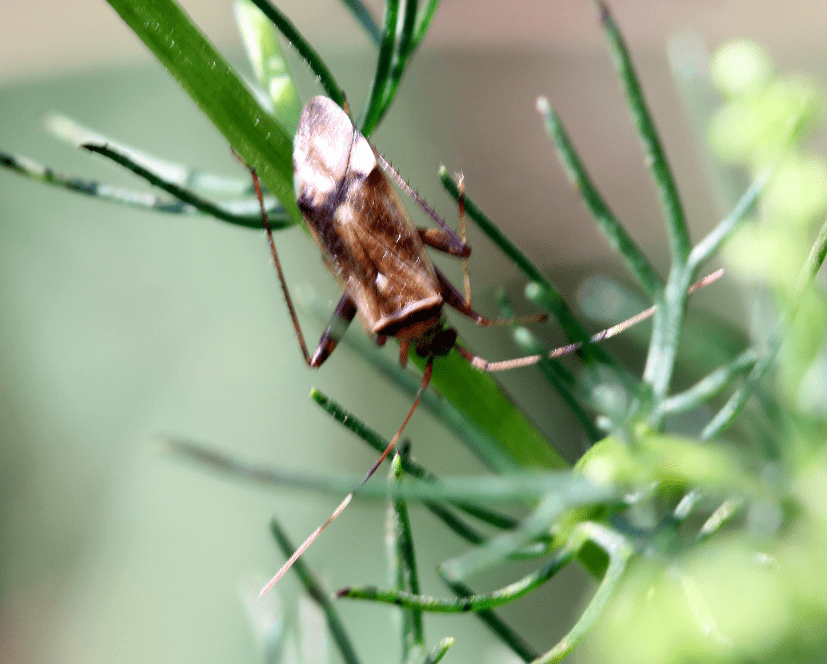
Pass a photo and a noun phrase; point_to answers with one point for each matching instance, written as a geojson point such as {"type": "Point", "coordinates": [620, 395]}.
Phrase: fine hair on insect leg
{"type": "Point", "coordinates": [378, 257]}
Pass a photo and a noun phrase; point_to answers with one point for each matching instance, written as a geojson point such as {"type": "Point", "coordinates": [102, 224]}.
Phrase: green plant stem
{"type": "Point", "coordinates": [376, 99]}
{"type": "Point", "coordinates": [572, 490]}
{"type": "Point", "coordinates": [304, 49]}
{"type": "Point", "coordinates": [668, 319]}
{"type": "Point", "coordinates": [109, 193]}
{"type": "Point", "coordinates": [404, 51]}
{"type": "Point", "coordinates": [710, 245]}
{"type": "Point", "coordinates": [615, 545]}
{"type": "Point", "coordinates": [483, 602]}
{"type": "Point", "coordinates": [710, 385]}
{"type": "Point", "coordinates": [726, 415]}
{"type": "Point", "coordinates": [667, 325]}
{"type": "Point", "coordinates": [317, 594]}
{"type": "Point", "coordinates": [655, 155]}
{"type": "Point", "coordinates": [619, 552]}
{"type": "Point", "coordinates": [619, 238]}
{"type": "Point", "coordinates": [424, 22]}
{"type": "Point", "coordinates": [403, 564]}
{"type": "Point", "coordinates": [207, 77]}
{"type": "Point", "coordinates": [497, 625]}
{"type": "Point", "coordinates": [278, 220]}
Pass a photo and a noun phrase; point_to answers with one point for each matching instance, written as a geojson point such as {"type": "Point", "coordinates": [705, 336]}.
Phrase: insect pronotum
{"type": "Point", "coordinates": [378, 257]}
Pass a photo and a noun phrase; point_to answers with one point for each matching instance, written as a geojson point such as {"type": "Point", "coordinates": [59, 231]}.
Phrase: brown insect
{"type": "Point", "coordinates": [378, 257]}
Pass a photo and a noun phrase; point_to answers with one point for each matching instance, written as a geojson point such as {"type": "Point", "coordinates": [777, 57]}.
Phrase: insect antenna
{"type": "Point", "coordinates": [426, 379]}
{"type": "Point", "coordinates": [504, 365]}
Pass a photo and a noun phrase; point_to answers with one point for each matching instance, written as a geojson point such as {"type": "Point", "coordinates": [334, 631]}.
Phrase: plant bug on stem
{"type": "Point", "coordinates": [378, 257]}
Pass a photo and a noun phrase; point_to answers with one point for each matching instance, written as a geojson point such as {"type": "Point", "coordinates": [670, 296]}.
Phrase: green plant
{"type": "Point", "coordinates": [640, 493]}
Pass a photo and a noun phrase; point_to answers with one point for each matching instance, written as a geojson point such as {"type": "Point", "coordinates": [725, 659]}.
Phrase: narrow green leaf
{"type": "Point", "coordinates": [725, 512]}
{"type": "Point", "coordinates": [207, 77]}
{"type": "Point", "coordinates": [403, 52]}
{"type": "Point", "coordinates": [100, 190]}
{"type": "Point", "coordinates": [424, 22]}
{"type": "Point", "coordinates": [619, 238]}
{"type": "Point", "coordinates": [619, 552]}
{"type": "Point", "coordinates": [710, 245]}
{"type": "Point", "coordinates": [645, 125]}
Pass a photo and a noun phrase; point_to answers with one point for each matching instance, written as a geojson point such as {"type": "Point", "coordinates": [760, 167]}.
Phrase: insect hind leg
{"type": "Point", "coordinates": [446, 241]}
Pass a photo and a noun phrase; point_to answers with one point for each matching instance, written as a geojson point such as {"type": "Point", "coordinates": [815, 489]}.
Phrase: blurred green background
{"type": "Point", "coordinates": [119, 327]}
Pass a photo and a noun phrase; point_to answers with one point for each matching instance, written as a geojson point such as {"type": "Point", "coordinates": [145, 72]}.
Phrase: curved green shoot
{"type": "Point", "coordinates": [304, 49]}
{"type": "Point", "coordinates": [277, 216]}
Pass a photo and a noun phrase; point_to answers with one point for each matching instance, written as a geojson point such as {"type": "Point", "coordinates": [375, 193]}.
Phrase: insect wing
{"type": "Point", "coordinates": [359, 222]}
